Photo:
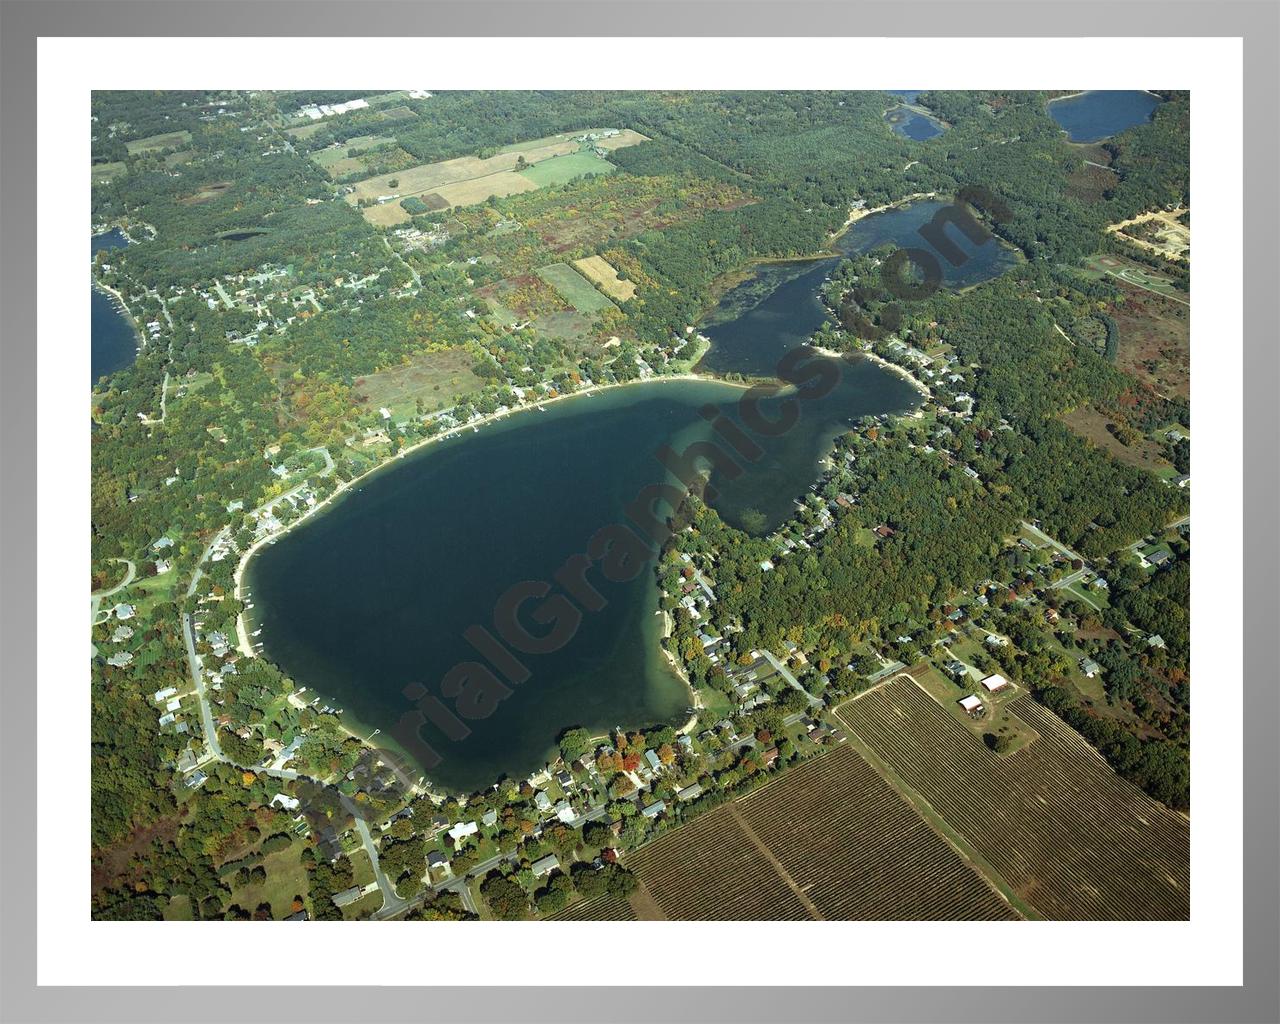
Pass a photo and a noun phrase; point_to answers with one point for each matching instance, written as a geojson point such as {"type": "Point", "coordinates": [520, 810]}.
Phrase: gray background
{"type": "Point", "coordinates": [21, 23]}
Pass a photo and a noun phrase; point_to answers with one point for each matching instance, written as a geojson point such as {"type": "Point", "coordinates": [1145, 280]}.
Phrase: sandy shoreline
{"type": "Point", "coordinates": [124, 311]}
{"type": "Point", "coordinates": [668, 627]}
{"type": "Point", "coordinates": [901, 371]}
{"type": "Point", "coordinates": [857, 215]}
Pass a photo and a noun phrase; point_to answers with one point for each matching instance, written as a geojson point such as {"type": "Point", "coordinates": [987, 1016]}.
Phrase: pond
{"type": "Point", "coordinates": [1094, 116]}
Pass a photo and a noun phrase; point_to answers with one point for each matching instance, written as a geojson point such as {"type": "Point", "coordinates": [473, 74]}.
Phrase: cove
{"type": "Point", "coordinates": [1094, 116]}
{"type": "Point", "coordinates": [113, 340]}
{"type": "Point", "coordinates": [778, 308]}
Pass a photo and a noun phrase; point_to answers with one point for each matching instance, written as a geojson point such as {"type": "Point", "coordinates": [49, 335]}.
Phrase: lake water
{"type": "Point", "coordinates": [376, 593]}
{"type": "Point", "coordinates": [912, 124]}
{"type": "Point", "coordinates": [900, 228]}
{"type": "Point", "coordinates": [1093, 116]}
{"type": "Point", "coordinates": [113, 341]}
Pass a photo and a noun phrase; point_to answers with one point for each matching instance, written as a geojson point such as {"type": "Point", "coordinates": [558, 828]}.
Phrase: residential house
{"type": "Point", "coordinates": [347, 896]}
{"type": "Point", "coordinates": [545, 865]}
{"type": "Point", "coordinates": [461, 830]}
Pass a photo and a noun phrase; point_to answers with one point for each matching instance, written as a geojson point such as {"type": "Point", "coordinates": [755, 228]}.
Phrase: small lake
{"type": "Point", "coordinates": [1094, 116]}
{"type": "Point", "coordinates": [909, 121]}
{"type": "Point", "coordinates": [113, 341]}
{"type": "Point", "coordinates": [376, 593]}
{"type": "Point", "coordinates": [900, 228]}
{"type": "Point", "coordinates": [912, 124]}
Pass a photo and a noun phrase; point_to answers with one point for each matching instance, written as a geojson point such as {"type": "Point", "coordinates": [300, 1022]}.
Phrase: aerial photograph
{"type": "Point", "coordinates": [640, 506]}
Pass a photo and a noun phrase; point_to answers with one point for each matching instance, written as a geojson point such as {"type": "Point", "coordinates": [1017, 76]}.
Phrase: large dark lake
{"type": "Point", "coordinates": [374, 594]}
{"type": "Point", "coordinates": [113, 341]}
{"type": "Point", "coordinates": [1093, 116]}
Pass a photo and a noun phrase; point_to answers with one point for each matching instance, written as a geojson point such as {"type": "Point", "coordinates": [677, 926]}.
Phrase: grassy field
{"type": "Point", "coordinates": [437, 378]}
{"type": "Point", "coordinates": [601, 272]}
{"type": "Point", "coordinates": [178, 908]}
{"type": "Point", "coordinates": [107, 171]}
{"type": "Point", "coordinates": [147, 592]}
{"type": "Point", "coordinates": [1136, 275]}
{"type": "Point", "coordinates": [477, 190]}
{"type": "Point", "coordinates": [153, 143]}
{"type": "Point", "coordinates": [624, 138]}
{"type": "Point", "coordinates": [574, 288]}
{"type": "Point", "coordinates": [828, 840]}
{"type": "Point", "coordinates": [206, 193]}
{"type": "Point", "coordinates": [286, 878]}
{"type": "Point", "coordinates": [497, 170]}
{"type": "Point", "coordinates": [338, 162]}
{"type": "Point", "coordinates": [1143, 452]}
{"type": "Point", "coordinates": [386, 215]}
{"type": "Point", "coordinates": [560, 139]}
{"type": "Point", "coordinates": [560, 169]}
{"type": "Point", "coordinates": [361, 869]}
{"type": "Point", "coordinates": [304, 131]}
{"type": "Point", "coordinates": [1057, 825]}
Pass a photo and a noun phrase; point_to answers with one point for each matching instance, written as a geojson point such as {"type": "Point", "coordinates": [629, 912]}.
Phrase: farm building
{"type": "Point", "coordinates": [994, 683]}
{"type": "Point", "coordinates": [972, 704]}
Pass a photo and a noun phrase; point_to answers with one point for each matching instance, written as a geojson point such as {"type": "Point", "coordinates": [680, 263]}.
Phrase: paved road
{"type": "Point", "coordinates": [1051, 542]}
{"type": "Point", "coordinates": [792, 681]}
{"type": "Point", "coordinates": [95, 600]}
{"type": "Point", "coordinates": [889, 669]}
{"type": "Point", "coordinates": [197, 676]}
{"type": "Point", "coordinates": [392, 904]}
{"type": "Point", "coordinates": [204, 557]}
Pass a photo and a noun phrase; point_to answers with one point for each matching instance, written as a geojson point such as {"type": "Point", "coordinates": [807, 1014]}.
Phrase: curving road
{"type": "Point", "coordinates": [392, 903]}
{"type": "Point", "coordinates": [95, 599]}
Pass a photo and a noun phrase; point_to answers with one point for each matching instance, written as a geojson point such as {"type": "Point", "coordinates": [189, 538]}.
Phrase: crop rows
{"type": "Point", "coordinates": [710, 870]}
{"type": "Point", "coordinates": [598, 908]}
{"type": "Point", "coordinates": [1068, 835]}
{"type": "Point", "coordinates": [860, 852]}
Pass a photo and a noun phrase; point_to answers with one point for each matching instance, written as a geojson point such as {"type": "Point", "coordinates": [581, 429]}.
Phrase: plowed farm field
{"type": "Point", "coordinates": [1066, 835]}
{"type": "Point", "coordinates": [829, 840]}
